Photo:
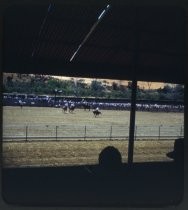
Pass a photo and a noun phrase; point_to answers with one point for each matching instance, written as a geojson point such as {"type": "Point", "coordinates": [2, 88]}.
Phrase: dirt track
{"type": "Point", "coordinates": [63, 153]}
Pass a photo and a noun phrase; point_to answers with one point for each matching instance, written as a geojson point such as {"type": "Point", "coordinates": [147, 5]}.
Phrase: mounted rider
{"type": "Point", "coordinates": [72, 104]}
{"type": "Point", "coordinates": [97, 109]}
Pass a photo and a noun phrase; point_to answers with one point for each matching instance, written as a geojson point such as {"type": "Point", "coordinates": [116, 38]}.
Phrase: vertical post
{"type": "Point", "coordinates": [111, 132]}
{"type": "Point", "coordinates": [132, 123]}
{"type": "Point", "coordinates": [134, 89]}
{"type": "Point", "coordinates": [181, 131]}
{"type": "Point", "coordinates": [56, 132]}
{"type": "Point", "coordinates": [135, 132]}
{"type": "Point", "coordinates": [159, 136]}
{"type": "Point", "coordinates": [85, 133]}
{"type": "Point", "coordinates": [185, 132]}
{"type": "Point", "coordinates": [26, 132]}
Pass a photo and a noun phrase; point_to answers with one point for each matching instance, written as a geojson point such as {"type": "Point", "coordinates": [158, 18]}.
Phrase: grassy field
{"type": "Point", "coordinates": [19, 154]}
{"type": "Point", "coordinates": [43, 122]}
{"type": "Point", "coordinates": [61, 153]}
{"type": "Point", "coordinates": [55, 116]}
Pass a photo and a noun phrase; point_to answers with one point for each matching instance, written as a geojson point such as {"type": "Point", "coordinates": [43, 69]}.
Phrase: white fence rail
{"type": "Point", "coordinates": [89, 132]}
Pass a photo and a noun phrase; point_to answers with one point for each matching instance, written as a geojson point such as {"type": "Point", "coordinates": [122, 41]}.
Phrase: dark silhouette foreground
{"type": "Point", "coordinates": [110, 158]}
{"type": "Point", "coordinates": [110, 183]}
{"type": "Point", "coordinates": [178, 153]}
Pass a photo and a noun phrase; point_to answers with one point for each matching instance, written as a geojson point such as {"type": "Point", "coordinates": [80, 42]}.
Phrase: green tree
{"type": "Point", "coordinates": [97, 89]}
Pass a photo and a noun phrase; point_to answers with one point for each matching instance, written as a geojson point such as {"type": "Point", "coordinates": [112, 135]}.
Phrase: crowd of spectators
{"type": "Point", "coordinates": [51, 101]}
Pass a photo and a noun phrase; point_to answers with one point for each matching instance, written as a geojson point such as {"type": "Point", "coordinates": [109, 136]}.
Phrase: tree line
{"type": "Point", "coordinates": [41, 84]}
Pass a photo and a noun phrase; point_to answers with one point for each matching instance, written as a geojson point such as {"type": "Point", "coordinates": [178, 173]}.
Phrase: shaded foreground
{"type": "Point", "coordinates": [145, 184]}
{"type": "Point", "coordinates": [110, 182]}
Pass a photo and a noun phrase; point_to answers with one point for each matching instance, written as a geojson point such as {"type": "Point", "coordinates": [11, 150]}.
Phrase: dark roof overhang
{"type": "Point", "coordinates": [146, 42]}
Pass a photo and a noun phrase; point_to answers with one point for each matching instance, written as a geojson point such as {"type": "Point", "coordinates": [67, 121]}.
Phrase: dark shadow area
{"type": "Point", "coordinates": [110, 183]}
{"type": "Point", "coordinates": [178, 153]}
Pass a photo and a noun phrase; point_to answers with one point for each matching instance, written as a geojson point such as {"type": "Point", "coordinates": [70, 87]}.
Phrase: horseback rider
{"type": "Point", "coordinates": [20, 103]}
{"type": "Point", "coordinates": [96, 112]}
{"type": "Point", "coordinates": [66, 105]}
{"type": "Point", "coordinates": [72, 105]}
{"type": "Point", "coordinates": [97, 109]}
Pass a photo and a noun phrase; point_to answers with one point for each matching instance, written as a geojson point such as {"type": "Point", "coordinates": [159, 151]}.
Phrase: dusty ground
{"type": "Point", "coordinates": [63, 153]}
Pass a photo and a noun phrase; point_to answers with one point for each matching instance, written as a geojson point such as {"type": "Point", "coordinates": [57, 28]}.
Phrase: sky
{"type": "Point", "coordinates": [146, 85]}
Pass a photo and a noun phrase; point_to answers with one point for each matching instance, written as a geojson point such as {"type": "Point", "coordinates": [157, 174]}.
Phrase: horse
{"type": "Point", "coordinates": [86, 106]}
{"type": "Point", "coordinates": [65, 109]}
{"type": "Point", "coordinates": [71, 108]}
{"type": "Point", "coordinates": [96, 112]}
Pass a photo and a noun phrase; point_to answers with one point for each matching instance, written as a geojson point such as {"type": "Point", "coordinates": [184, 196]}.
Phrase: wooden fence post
{"type": "Point", "coordinates": [85, 133]}
{"type": "Point", "coordinates": [181, 131]}
{"type": "Point", "coordinates": [111, 132]}
{"type": "Point", "coordinates": [159, 136]}
{"type": "Point", "coordinates": [26, 132]}
{"type": "Point", "coordinates": [56, 132]}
